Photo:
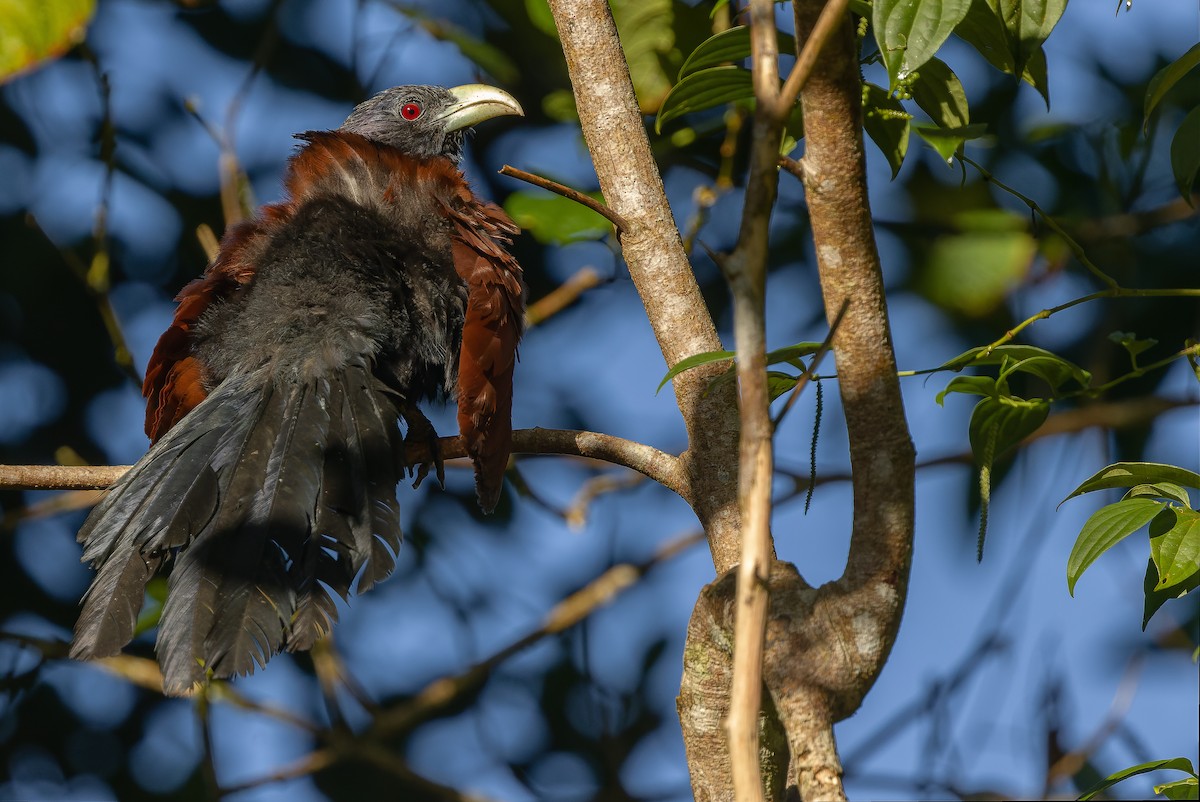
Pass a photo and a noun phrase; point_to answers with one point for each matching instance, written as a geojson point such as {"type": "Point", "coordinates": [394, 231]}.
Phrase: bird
{"type": "Point", "coordinates": [275, 397]}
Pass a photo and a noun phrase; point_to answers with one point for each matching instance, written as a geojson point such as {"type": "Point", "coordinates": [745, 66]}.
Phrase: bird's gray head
{"type": "Point", "coordinates": [427, 121]}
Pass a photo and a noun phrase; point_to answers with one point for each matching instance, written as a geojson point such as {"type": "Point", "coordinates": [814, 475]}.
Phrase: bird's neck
{"type": "Point", "coordinates": [371, 174]}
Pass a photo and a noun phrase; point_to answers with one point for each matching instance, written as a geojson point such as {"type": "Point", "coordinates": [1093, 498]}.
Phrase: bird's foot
{"type": "Point", "coordinates": [421, 432]}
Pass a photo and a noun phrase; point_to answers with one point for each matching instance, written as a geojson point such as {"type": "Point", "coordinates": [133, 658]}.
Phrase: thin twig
{"type": "Point", "coordinates": [817, 357]}
{"type": "Point", "coordinates": [571, 194]}
{"type": "Point", "coordinates": [746, 271]}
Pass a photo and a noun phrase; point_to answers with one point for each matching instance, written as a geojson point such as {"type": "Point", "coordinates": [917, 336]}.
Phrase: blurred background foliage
{"type": "Point", "coordinates": [115, 156]}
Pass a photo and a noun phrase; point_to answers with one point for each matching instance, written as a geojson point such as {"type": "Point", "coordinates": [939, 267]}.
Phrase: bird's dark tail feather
{"type": "Point", "coordinates": [268, 496]}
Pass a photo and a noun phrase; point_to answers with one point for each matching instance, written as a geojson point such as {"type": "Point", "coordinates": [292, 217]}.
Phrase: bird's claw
{"type": "Point", "coordinates": [421, 432]}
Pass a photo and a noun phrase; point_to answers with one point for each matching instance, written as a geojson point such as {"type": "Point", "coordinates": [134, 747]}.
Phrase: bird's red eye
{"type": "Point", "coordinates": [410, 111]}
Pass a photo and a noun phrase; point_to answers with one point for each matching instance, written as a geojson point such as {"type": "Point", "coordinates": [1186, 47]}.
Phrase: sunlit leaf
{"type": "Point", "coordinates": [1187, 788]}
{"type": "Point", "coordinates": [1176, 551]}
{"type": "Point", "coordinates": [1168, 490]}
{"type": "Point", "coordinates": [34, 30]}
{"type": "Point", "coordinates": [555, 219]}
{"type": "Point", "coordinates": [887, 123]}
{"type": "Point", "coordinates": [1166, 78]}
{"type": "Point", "coordinates": [703, 90]}
{"type": "Point", "coordinates": [1185, 153]}
{"type": "Point", "coordinates": [1131, 474]}
{"type": "Point", "coordinates": [729, 45]}
{"type": "Point", "coordinates": [940, 94]}
{"type": "Point", "coordinates": [1107, 527]}
{"type": "Point", "coordinates": [909, 32]}
{"type": "Point", "coordinates": [1178, 763]}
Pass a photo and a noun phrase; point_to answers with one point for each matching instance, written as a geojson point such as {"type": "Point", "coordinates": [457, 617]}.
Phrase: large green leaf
{"type": "Point", "coordinates": [1166, 78]}
{"type": "Point", "coordinates": [555, 219]}
{"type": "Point", "coordinates": [887, 123]}
{"type": "Point", "coordinates": [1155, 599]}
{"type": "Point", "coordinates": [1186, 789]}
{"type": "Point", "coordinates": [1176, 551]}
{"type": "Point", "coordinates": [1107, 527]}
{"type": "Point", "coordinates": [703, 90]}
{"type": "Point", "coordinates": [940, 94]}
{"type": "Point", "coordinates": [1185, 153]}
{"type": "Point", "coordinates": [909, 32]}
{"type": "Point", "coordinates": [1132, 474]}
{"type": "Point", "coordinates": [1000, 422]}
{"type": "Point", "coordinates": [984, 29]}
{"type": "Point", "coordinates": [34, 30]}
{"type": "Point", "coordinates": [732, 44]}
{"type": "Point", "coordinates": [1050, 365]}
{"type": "Point", "coordinates": [1029, 23]}
{"type": "Point", "coordinates": [1177, 763]}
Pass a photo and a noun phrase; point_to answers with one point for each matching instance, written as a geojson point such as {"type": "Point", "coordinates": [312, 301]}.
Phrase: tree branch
{"type": "Point", "coordinates": [632, 187]}
{"type": "Point", "coordinates": [663, 468]}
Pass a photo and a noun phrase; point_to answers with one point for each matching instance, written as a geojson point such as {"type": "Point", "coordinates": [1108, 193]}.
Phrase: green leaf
{"type": "Point", "coordinates": [779, 383]}
{"type": "Point", "coordinates": [1131, 474]}
{"type": "Point", "coordinates": [909, 32]}
{"type": "Point", "coordinates": [1029, 23]}
{"type": "Point", "coordinates": [703, 90]}
{"type": "Point", "coordinates": [1166, 490]}
{"type": "Point", "coordinates": [886, 122]}
{"type": "Point", "coordinates": [35, 30]}
{"type": "Point", "coordinates": [1130, 342]}
{"type": "Point", "coordinates": [555, 219]}
{"type": "Point", "coordinates": [1106, 527]}
{"type": "Point", "coordinates": [947, 141]}
{"type": "Point", "coordinates": [1003, 354]}
{"type": "Point", "coordinates": [1000, 422]}
{"type": "Point", "coordinates": [791, 353]}
{"type": "Point", "coordinates": [983, 28]}
{"type": "Point", "coordinates": [940, 94]}
{"type": "Point", "coordinates": [1166, 78]}
{"type": "Point", "coordinates": [969, 385]}
{"type": "Point", "coordinates": [1155, 599]}
{"type": "Point", "coordinates": [972, 272]}
{"type": "Point", "coordinates": [1178, 763]}
{"type": "Point", "coordinates": [1185, 153]}
{"type": "Point", "coordinates": [1051, 368]}
{"type": "Point", "coordinates": [1187, 788]}
{"type": "Point", "coordinates": [647, 39]}
{"type": "Point", "coordinates": [729, 45]}
{"type": "Point", "coordinates": [692, 361]}
{"type": "Point", "coordinates": [1176, 551]}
